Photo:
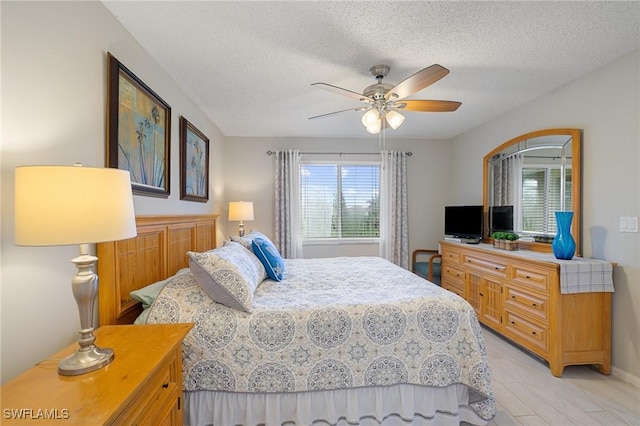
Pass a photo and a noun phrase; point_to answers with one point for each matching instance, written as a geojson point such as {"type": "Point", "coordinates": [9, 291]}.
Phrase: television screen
{"type": "Point", "coordinates": [501, 218]}
{"type": "Point", "coordinates": [463, 221]}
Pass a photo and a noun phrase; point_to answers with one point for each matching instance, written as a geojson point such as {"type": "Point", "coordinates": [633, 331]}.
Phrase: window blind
{"type": "Point", "coordinates": [541, 189]}
{"type": "Point", "coordinates": [340, 201]}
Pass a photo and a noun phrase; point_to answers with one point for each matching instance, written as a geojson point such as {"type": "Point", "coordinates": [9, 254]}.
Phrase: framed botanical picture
{"type": "Point", "coordinates": [194, 163]}
{"type": "Point", "coordinates": [138, 131]}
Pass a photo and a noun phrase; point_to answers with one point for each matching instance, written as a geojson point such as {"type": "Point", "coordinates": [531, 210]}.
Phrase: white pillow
{"type": "Point", "coordinates": [229, 275]}
{"type": "Point", "coordinates": [248, 239]}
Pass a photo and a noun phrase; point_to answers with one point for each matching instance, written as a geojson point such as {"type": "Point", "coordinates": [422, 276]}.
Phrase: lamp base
{"type": "Point", "coordinates": [85, 360]}
{"type": "Point", "coordinates": [88, 357]}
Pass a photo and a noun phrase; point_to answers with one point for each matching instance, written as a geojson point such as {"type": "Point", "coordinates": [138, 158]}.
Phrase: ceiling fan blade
{"type": "Point", "coordinates": [344, 92]}
{"type": "Point", "coordinates": [427, 106]}
{"type": "Point", "coordinates": [417, 81]}
{"type": "Point", "coordinates": [338, 112]}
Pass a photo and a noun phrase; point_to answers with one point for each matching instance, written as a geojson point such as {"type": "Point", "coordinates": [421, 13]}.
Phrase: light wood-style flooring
{"type": "Point", "coordinates": [527, 393]}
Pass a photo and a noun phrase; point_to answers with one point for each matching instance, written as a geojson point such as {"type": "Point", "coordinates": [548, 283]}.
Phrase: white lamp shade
{"type": "Point", "coordinates": [395, 119]}
{"type": "Point", "coordinates": [240, 210]}
{"type": "Point", "coordinates": [61, 205]}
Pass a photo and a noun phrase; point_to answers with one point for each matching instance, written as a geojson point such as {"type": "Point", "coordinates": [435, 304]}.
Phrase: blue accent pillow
{"type": "Point", "coordinates": [270, 257]}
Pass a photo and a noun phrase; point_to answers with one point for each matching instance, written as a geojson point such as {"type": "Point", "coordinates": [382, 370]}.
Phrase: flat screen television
{"type": "Point", "coordinates": [463, 221]}
{"type": "Point", "coordinates": [501, 218]}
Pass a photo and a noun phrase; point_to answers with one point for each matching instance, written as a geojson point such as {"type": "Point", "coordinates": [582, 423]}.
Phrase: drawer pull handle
{"type": "Point", "coordinates": [513, 322]}
{"type": "Point", "coordinates": [165, 385]}
{"type": "Point", "coordinates": [534, 304]}
{"type": "Point", "coordinates": [533, 332]}
{"type": "Point", "coordinates": [481, 294]}
{"type": "Point", "coordinates": [513, 297]}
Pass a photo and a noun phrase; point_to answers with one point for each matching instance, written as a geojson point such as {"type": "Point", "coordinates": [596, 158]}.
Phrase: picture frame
{"type": "Point", "coordinates": [138, 131]}
{"type": "Point", "coordinates": [194, 163]}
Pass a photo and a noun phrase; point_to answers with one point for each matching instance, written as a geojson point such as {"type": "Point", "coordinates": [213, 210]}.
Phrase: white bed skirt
{"type": "Point", "coordinates": [389, 406]}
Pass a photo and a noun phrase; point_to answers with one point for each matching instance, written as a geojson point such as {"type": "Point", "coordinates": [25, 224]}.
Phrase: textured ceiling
{"type": "Point", "coordinates": [249, 65]}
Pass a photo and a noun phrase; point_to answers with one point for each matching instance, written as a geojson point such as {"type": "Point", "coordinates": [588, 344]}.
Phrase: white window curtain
{"type": "Point", "coordinates": [394, 232]}
{"type": "Point", "coordinates": [287, 206]}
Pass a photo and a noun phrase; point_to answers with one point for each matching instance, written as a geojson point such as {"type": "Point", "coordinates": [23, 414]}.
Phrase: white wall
{"type": "Point", "coordinates": [54, 112]}
{"type": "Point", "coordinates": [606, 105]}
{"type": "Point", "coordinates": [249, 176]}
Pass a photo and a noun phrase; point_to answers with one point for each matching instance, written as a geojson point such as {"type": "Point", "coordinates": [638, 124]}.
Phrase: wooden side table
{"type": "Point", "coordinates": [143, 384]}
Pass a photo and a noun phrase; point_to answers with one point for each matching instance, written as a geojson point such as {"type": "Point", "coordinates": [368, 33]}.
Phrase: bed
{"type": "Point", "coordinates": [341, 341]}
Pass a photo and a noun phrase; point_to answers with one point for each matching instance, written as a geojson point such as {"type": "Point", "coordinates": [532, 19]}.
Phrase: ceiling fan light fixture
{"type": "Point", "coordinates": [385, 100]}
{"type": "Point", "coordinates": [370, 117]}
{"type": "Point", "coordinates": [374, 128]}
{"type": "Point", "coordinates": [372, 121]}
{"type": "Point", "coordinates": [395, 119]}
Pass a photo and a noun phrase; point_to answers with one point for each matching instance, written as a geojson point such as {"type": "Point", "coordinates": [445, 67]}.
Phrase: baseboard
{"type": "Point", "coordinates": [625, 377]}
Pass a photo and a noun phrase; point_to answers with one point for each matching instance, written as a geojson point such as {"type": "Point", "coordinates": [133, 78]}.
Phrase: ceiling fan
{"type": "Point", "coordinates": [385, 100]}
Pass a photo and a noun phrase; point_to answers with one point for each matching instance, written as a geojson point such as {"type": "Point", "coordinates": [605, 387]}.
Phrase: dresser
{"type": "Point", "coordinates": [518, 295]}
{"type": "Point", "coordinates": [141, 386]}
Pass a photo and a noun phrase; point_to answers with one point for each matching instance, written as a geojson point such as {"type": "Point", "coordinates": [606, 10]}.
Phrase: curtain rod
{"type": "Point", "coordinates": [544, 156]}
{"type": "Point", "coordinates": [409, 153]}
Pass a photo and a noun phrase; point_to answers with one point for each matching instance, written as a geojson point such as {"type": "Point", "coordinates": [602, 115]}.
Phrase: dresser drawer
{"type": "Point", "coordinates": [531, 277]}
{"type": "Point", "coordinates": [454, 287]}
{"type": "Point", "coordinates": [453, 280]}
{"type": "Point", "coordinates": [493, 265]}
{"type": "Point", "coordinates": [164, 411]}
{"type": "Point", "coordinates": [534, 305]}
{"type": "Point", "coordinates": [451, 255]}
{"type": "Point", "coordinates": [532, 335]}
{"type": "Point", "coordinates": [452, 274]}
{"type": "Point", "coordinates": [158, 392]}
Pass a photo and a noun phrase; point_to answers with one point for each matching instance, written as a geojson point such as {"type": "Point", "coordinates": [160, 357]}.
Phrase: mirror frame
{"type": "Point", "coordinates": [576, 182]}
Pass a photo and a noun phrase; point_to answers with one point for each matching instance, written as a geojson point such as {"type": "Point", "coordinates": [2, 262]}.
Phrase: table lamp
{"type": "Point", "coordinates": [64, 205]}
{"type": "Point", "coordinates": [240, 210]}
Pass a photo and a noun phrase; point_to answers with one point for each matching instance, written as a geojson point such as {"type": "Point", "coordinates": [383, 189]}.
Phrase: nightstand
{"type": "Point", "coordinates": [143, 384]}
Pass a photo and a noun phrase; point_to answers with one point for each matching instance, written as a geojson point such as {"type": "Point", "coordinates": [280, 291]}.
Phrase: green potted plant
{"type": "Point", "coordinates": [498, 239]}
{"type": "Point", "coordinates": [511, 241]}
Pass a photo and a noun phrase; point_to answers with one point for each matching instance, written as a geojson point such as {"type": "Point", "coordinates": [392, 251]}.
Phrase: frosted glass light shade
{"type": "Point", "coordinates": [395, 119]}
{"type": "Point", "coordinates": [62, 205]}
{"type": "Point", "coordinates": [375, 129]}
{"type": "Point", "coordinates": [240, 210]}
{"type": "Point", "coordinates": [370, 118]}
{"type": "Point", "coordinates": [371, 121]}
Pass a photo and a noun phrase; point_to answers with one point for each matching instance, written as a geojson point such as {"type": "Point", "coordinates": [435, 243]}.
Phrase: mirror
{"type": "Point", "coordinates": [528, 179]}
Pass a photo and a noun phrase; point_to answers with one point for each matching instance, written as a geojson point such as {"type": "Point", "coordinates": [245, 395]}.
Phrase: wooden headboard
{"type": "Point", "coordinates": [157, 252]}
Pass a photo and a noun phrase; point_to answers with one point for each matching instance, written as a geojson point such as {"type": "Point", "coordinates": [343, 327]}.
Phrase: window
{"type": "Point", "coordinates": [339, 200]}
{"type": "Point", "coordinates": [541, 198]}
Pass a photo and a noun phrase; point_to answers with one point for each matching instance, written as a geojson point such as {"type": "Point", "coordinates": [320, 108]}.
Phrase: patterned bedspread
{"type": "Point", "coordinates": [331, 323]}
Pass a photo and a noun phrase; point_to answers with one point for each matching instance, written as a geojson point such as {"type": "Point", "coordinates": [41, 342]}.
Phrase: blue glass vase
{"type": "Point", "coordinates": [564, 246]}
